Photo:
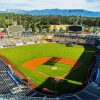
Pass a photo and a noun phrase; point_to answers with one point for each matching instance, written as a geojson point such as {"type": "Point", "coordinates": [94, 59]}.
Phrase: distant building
{"type": "Point", "coordinates": [2, 34]}
{"type": "Point", "coordinates": [28, 31]}
{"type": "Point", "coordinates": [58, 27]}
{"type": "Point", "coordinates": [15, 29]}
{"type": "Point", "coordinates": [1, 29]}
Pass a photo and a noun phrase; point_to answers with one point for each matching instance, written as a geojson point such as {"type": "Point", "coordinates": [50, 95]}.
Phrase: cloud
{"type": "Point", "coordinates": [92, 0]}
{"type": "Point", "coordinates": [93, 5]}
{"type": "Point", "coordinates": [49, 4]}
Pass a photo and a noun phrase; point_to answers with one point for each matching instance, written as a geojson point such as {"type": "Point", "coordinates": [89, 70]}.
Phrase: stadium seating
{"type": "Point", "coordinates": [8, 82]}
{"type": "Point", "coordinates": [86, 95]}
{"type": "Point", "coordinates": [10, 41]}
{"type": "Point", "coordinates": [98, 76]}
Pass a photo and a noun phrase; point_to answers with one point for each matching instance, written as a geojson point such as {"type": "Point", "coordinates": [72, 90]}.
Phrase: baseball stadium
{"type": "Point", "coordinates": [53, 66]}
{"type": "Point", "coordinates": [49, 66]}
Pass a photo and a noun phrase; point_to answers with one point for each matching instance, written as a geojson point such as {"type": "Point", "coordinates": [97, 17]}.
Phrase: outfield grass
{"type": "Point", "coordinates": [21, 54]}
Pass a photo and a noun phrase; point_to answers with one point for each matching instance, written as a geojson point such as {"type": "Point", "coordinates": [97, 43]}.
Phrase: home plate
{"type": "Point", "coordinates": [54, 68]}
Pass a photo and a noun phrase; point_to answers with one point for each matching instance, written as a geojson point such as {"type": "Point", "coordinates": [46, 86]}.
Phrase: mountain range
{"type": "Point", "coordinates": [62, 12]}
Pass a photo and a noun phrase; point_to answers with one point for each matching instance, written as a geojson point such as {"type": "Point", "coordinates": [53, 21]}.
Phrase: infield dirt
{"type": "Point", "coordinates": [32, 64]}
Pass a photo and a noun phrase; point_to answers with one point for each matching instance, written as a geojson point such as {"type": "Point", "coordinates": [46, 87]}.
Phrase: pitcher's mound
{"type": "Point", "coordinates": [54, 68]}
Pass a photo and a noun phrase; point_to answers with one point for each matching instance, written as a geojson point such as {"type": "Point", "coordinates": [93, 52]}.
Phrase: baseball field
{"type": "Point", "coordinates": [54, 66]}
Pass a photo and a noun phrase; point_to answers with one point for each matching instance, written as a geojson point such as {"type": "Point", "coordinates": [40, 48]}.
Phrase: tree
{"type": "Point", "coordinates": [33, 27]}
{"type": "Point", "coordinates": [54, 29]}
{"type": "Point", "coordinates": [40, 28]}
{"type": "Point", "coordinates": [61, 30]}
{"type": "Point", "coordinates": [67, 30]}
{"type": "Point", "coordinates": [48, 28]}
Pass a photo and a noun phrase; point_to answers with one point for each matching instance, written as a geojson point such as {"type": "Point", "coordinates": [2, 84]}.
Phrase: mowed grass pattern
{"type": "Point", "coordinates": [21, 54]}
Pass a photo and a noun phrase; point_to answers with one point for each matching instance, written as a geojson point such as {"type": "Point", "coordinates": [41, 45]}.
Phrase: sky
{"type": "Point", "coordinates": [91, 5]}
